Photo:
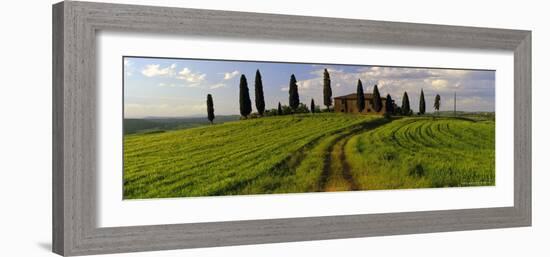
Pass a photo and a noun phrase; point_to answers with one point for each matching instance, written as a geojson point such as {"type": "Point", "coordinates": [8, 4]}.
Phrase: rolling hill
{"type": "Point", "coordinates": [309, 153]}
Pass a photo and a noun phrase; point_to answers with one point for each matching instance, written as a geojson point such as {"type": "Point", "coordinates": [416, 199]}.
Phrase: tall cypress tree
{"type": "Point", "coordinates": [360, 96]}
{"type": "Point", "coordinates": [437, 102]}
{"type": "Point", "coordinates": [244, 98]}
{"type": "Point", "coordinates": [405, 106]}
{"type": "Point", "coordinates": [312, 106]}
{"type": "Point", "coordinates": [210, 108]}
{"type": "Point", "coordinates": [327, 90]}
{"type": "Point", "coordinates": [259, 91]}
{"type": "Point", "coordinates": [422, 104]}
{"type": "Point", "coordinates": [389, 104]}
{"type": "Point", "coordinates": [293, 97]}
{"type": "Point", "coordinates": [376, 99]}
{"type": "Point", "coordinates": [279, 109]}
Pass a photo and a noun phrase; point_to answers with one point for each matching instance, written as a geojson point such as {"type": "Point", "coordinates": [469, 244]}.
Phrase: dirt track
{"type": "Point", "coordinates": [337, 173]}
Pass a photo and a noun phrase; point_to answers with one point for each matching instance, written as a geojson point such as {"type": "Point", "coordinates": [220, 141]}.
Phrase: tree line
{"type": "Point", "coordinates": [295, 106]}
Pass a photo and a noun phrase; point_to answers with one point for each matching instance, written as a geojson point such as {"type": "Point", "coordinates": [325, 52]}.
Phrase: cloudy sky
{"type": "Point", "coordinates": [178, 87]}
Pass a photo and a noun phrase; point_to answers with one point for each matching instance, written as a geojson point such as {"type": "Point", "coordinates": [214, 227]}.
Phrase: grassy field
{"type": "Point", "coordinates": [424, 152]}
{"type": "Point", "coordinates": [230, 158]}
{"type": "Point", "coordinates": [309, 153]}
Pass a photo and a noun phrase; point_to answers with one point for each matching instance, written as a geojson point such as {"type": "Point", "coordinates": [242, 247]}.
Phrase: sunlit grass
{"type": "Point", "coordinates": [424, 152]}
{"type": "Point", "coordinates": [310, 153]}
{"type": "Point", "coordinates": [231, 158]}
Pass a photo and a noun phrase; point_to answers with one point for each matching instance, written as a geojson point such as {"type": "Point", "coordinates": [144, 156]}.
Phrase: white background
{"type": "Point", "coordinates": [25, 132]}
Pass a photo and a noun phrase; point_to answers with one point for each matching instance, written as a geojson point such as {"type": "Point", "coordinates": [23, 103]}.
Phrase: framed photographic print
{"type": "Point", "coordinates": [183, 128]}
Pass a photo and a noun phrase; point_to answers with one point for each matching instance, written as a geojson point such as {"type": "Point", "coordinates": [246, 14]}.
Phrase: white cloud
{"type": "Point", "coordinates": [193, 85]}
{"type": "Point", "coordinates": [320, 72]}
{"type": "Point", "coordinates": [194, 79]}
{"type": "Point", "coordinates": [219, 85]}
{"type": "Point", "coordinates": [153, 70]}
{"type": "Point", "coordinates": [190, 76]}
{"type": "Point", "coordinates": [309, 83]}
{"type": "Point", "coordinates": [438, 83]}
{"type": "Point", "coordinates": [338, 79]}
{"type": "Point", "coordinates": [230, 75]}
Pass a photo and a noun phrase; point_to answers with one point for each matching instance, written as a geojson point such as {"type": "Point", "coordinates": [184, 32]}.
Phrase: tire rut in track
{"type": "Point", "coordinates": [346, 171]}
{"type": "Point", "coordinates": [327, 163]}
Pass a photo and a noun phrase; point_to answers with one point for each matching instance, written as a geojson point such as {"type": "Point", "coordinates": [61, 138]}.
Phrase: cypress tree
{"type": "Point", "coordinates": [389, 105]}
{"type": "Point", "coordinates": [422, 105]}
{"type": "Point", "coordinates": [312, 106]}
{"type": "Point", "coordinates": [210, 108]}
{"type": "Point", "coordinates": [327, 90]}
{"type": "Point", "coordinates": [437, 102]}
{"type": "Point", "coordinates": [405, 107]}
{"type": "Point", "coordinates": [244, 98]}
{"type": "Point", "coordinates": [279, 109]}
{"type": "Point", "coordinates": [259, 91]}
{"type": "Point", "coordinates": [293, 97]}
{"type": "Point", "coordinates": [376, 99]}
{"type": "Point", "coordinates": [360, 96]}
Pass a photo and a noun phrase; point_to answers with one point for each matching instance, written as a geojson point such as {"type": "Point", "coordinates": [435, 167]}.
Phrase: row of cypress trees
{"type": "Point", "coordinates": [293, 96]}
{"type": "Point", "coordinates": [422, 104]}
{"type": "Point", "coordinates": [245, 103]}
{"type": "Point", "coordinates": [405, 105]}
{"type": "Point", "coordinates": [405, 108]}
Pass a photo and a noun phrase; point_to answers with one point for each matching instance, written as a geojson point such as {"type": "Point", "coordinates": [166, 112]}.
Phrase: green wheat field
{"type": "Point", "coordinates": [309, 153]}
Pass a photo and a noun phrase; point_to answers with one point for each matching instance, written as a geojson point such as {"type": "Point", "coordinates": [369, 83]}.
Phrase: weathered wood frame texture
{"type": "Point", "coordinates": [74, 126]}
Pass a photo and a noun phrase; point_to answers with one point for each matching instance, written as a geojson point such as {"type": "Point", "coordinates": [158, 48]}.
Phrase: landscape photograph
{"type": "Point", "coordinates": [198, 127]}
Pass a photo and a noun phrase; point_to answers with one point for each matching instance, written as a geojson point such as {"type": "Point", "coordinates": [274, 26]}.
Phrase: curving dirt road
{"type": "Point", "coordinates": [337, 173]}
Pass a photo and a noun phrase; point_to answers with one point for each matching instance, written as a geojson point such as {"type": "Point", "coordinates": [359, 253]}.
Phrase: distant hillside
{"type": "Point", "coordinates": [470, 115]}
{"type": "Point", "coordinates": [154, 125]}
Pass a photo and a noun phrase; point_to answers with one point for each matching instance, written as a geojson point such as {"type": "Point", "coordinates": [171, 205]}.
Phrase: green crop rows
{"type": "Point", "coordinates": [309, 153]}
{"type": "Point", "coordinates": [424, 152]}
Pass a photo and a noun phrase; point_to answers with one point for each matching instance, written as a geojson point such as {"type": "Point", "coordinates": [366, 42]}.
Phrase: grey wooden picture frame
{"type": "Point", "coordinates": [75, 25]}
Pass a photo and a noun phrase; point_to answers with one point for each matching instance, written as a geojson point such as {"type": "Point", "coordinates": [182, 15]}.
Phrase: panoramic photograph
{"type": "Point", "coordinates": [197, 127]}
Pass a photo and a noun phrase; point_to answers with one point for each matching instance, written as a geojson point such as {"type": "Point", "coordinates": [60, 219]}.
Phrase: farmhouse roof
{"type": "Point", "coordinates": [354, 96]}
